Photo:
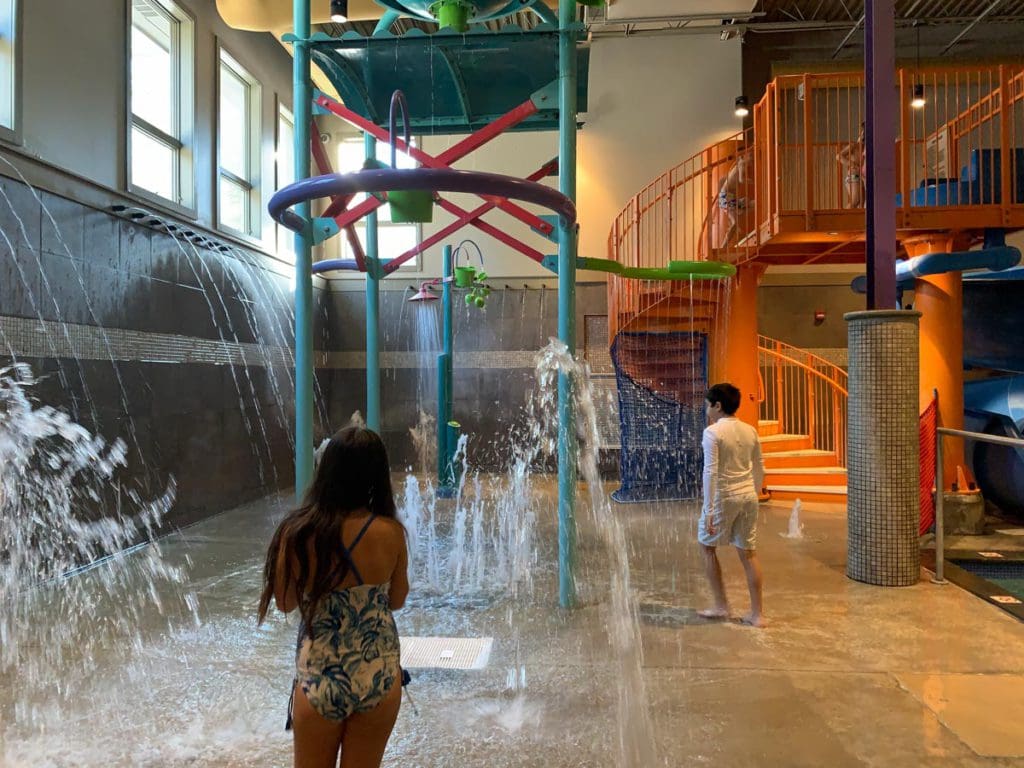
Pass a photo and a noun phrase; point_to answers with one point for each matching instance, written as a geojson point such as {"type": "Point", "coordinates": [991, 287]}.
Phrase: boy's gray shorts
{"type": "Point", "coordinates": [734, 522]}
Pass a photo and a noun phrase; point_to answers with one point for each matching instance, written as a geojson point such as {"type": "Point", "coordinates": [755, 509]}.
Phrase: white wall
{"type": "Point", "coordinates": [654, 102]}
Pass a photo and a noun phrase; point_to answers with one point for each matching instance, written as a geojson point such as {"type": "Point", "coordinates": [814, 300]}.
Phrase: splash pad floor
{"type": "Point", "coordinates": [846, 675]}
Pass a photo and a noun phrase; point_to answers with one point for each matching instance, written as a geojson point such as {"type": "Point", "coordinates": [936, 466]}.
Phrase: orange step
{"type": "Point", "coordinates": [665, 325]}
{"type": "Point", "coordinates": [767, 427]}
{"type": "Point", "coordinates": [783, 442]}
{"type": "Point", "coordinates": [807, 476]}
{"type": "Point", "coordinates": [835, 494]}
{"type": "Point", "coordinates": [807, 457]}
{"type": "Point", "coordinates": [681, 312]}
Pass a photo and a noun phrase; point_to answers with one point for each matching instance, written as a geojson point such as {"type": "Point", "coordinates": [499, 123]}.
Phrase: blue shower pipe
{"type": "Point", "coordinates": [302, 108]}
{"type": "Point", "coordinates": [372, 306]}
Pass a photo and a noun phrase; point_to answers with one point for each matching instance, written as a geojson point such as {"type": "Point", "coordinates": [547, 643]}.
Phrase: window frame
{"type": "Point", "coordinates": [413, 265]}
{"type": "Point", "coordinates": [254, 162]}
{"type": "Point", "coordinates": [184, 104]}
{"type": "Point", "coordinates": [12, 133]}
{"type": "Point", "coordinates": [282, 113]}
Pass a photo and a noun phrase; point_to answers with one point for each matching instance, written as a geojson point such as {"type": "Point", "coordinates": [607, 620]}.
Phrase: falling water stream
{"type": "Point", "coordinates": [66, 586]}
{"type": "Point", "coordinates": [92, 621]}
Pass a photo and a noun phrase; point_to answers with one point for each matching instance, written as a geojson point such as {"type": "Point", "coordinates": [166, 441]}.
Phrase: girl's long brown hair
{"type": "Point", "coordinates": [353, 475]}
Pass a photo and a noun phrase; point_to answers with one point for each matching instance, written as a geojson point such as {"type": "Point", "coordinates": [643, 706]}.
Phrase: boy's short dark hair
{"type": "Point", "coordinates": [726, 395]}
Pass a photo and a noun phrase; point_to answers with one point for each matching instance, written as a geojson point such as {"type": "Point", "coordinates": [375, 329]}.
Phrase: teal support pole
{"type": "Point", "coordinates": [567, 448]}
{"type": "Point", "coordinates": [302, 104]}
{"type": "Point", "coordinates": [389, 18]}
{"type": "Point", "coordinates": [448, 437]}
{"type": "Point", "coordinates": [444, 379]}
{"type": "Point", "coordinates": [443, 450]}
{"type": "Point", "coordinates": [373, 275]}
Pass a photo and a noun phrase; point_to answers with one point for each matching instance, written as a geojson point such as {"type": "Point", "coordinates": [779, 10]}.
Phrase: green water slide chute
{"type": "Point", "coordinates": [676, 270]}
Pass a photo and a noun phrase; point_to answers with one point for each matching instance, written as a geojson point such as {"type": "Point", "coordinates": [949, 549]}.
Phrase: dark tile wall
{"type": "Point", "coordinates": [221, 431]}
{"type": "Point", "coordinates": [489, 397]}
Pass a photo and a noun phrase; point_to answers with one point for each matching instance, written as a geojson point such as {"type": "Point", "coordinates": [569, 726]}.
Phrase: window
{"type": "Point", "coordinates": [239, 137]}
{"type": "Point", "coordinates": [392, 239]}
{"type": "Point", "coordinates": [160, 141]}
{"type": "Point", "coordinates": [285, 173]}
{"type": "Point", "coordinates": [8, 65]}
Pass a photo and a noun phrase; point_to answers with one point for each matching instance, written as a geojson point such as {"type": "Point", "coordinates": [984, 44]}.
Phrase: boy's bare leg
{"type": "Point", "coordinates": [752, 567]}
{"type": "Point", "coordinates": [713, 570]}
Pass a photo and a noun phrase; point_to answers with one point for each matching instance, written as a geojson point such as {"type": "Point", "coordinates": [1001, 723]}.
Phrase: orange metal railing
{"type": "Point", "coordinates": [800, 199]}
{"type": "Point", "coordinates": [805, 393]}
{"type": "Point", "coordinates": [677, 217]}
{"type": "Point", "coordinates": [802, 193]}
{"type": "Point", "coordinates": [971, 115]}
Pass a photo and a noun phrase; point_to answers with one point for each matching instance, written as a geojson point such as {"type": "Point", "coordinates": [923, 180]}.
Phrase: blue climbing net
{"type": "Point", "coordinates": [662, 380]}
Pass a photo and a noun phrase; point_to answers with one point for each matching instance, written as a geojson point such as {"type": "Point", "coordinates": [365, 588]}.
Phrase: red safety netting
{"type": "Point", "coordinates": [928, 434]}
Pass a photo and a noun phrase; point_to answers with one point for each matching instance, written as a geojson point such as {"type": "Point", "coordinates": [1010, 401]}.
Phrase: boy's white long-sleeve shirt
{"type": "Point", "coordinates": [733, 467]}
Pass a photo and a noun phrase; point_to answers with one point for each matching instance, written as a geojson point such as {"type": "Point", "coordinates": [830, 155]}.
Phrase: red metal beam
{"type": "Point", "coordinates": [492, 130]}
{"type": "Point", "coordinates": [494, 232]}
{"type": "Point", "coordinates": [546, 170]}
{"type": "Point", "coordinates": [475, 140]}
{"type": "Point", "coordinates": [339, 202]}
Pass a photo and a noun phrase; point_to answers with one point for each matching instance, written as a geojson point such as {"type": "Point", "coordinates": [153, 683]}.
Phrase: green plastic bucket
{"type": "Point", "coordinates": [411, 206]}
{"type": "Point", "coordinates": [464, 276]}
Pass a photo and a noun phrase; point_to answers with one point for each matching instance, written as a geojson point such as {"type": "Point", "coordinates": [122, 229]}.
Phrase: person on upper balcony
{"type": "Point", "coordinates": [853, 162]}
{"type": "Point", "coordinates": [735, 200]}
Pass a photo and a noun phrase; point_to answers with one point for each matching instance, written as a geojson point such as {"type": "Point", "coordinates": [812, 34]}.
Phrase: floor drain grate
{"type": "Point", "coordinates": [446, 652]}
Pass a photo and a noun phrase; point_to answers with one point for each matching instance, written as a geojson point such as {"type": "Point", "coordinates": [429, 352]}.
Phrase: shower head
{"type": "Point", "coordinates": [424, 293]}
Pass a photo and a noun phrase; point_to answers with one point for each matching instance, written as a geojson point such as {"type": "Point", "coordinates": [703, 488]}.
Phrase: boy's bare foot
{"type": "Point", "coordinates": [754, 621]}
{"type": "Point", "coordinates": [714, 613]}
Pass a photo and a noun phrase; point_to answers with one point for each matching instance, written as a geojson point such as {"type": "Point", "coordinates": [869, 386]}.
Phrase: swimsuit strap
{"type": "Point", "coordinates": [359, 535]}
{"type": "Point", "coordinates": [347, 551]}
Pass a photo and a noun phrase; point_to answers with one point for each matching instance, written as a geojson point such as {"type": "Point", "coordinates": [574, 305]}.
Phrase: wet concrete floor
{"type": "Point", "coordinates": [845, 675]}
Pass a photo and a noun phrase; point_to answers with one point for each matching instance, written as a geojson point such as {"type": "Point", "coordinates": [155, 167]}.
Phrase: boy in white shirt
{"type": "Point", "coordinates": [733, 477]}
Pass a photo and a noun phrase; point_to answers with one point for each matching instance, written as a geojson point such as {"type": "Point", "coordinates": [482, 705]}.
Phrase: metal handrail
{"type": "Point", "coordinates": [940, 541]}
{"type": "Point", "coordinates": [763, 340]}
{"type": "Point", "coordinates": [808, 368]}
{"type": "Point", "coordinates": [817, 407]}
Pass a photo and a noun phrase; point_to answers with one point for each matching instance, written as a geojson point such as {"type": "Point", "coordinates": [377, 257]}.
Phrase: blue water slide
{"type": "Point", "coordinates": [996, 256]}
{"type": "Point", "coordinates": [980, 182]}
{"type": "Point", "coordinates": [993, 323]}
{"type": "Point", "coordinates": [996, 407]}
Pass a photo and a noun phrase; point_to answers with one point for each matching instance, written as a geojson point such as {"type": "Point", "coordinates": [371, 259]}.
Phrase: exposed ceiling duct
{"type": "Point", "coordinates": [275, 16]}
{"type": "Point", "coordinates": [636, 10]}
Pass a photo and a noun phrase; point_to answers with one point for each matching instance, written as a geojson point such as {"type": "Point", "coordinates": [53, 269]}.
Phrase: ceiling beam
{"type": "Point", "coordinates": [848, 36]}
{"type": "Point", "coordinates": [973, 24]}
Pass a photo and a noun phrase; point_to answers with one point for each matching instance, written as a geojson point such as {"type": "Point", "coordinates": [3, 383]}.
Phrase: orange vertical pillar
{"type": "Point", "coordinates": [939, 298]}
{"type": "Point", "coordinates": [740, 365]}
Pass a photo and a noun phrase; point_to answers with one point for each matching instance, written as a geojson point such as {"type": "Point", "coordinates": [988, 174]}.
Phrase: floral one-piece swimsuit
{"type": "Point", "coordinates": [350, 660]}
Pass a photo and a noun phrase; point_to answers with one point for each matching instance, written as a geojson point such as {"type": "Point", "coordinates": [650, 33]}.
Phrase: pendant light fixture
{"type": "Point", "coordinates": [339, 11]}
{"type": "Point", "coordinates": [918, 101]}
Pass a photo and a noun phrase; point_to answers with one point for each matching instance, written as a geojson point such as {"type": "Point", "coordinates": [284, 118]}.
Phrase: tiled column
{"type": "Point", "coordinates": [883, 450]}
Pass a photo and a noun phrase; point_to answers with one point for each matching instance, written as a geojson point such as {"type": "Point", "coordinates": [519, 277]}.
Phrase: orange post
{"type": "Point", "coordinates": [740, 366]}
{"type": "Point", "coordinates": [939, 298]}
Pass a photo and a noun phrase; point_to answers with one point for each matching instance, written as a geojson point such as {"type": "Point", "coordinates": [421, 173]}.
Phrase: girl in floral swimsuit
{"type": "Point", "coordinates": [341, 560]}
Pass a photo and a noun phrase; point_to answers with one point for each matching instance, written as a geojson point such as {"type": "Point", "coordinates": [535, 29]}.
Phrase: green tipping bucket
{"type": "Point", "coordinates": [452, 13]}
{"type": "Point", "coordinates": [464, 276]}
{"type": "Point", "coordinates": [411, 206]}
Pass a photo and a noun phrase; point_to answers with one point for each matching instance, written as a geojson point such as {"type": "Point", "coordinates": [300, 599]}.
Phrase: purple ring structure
{"type": "Point", "coordinates": [429, 179]}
